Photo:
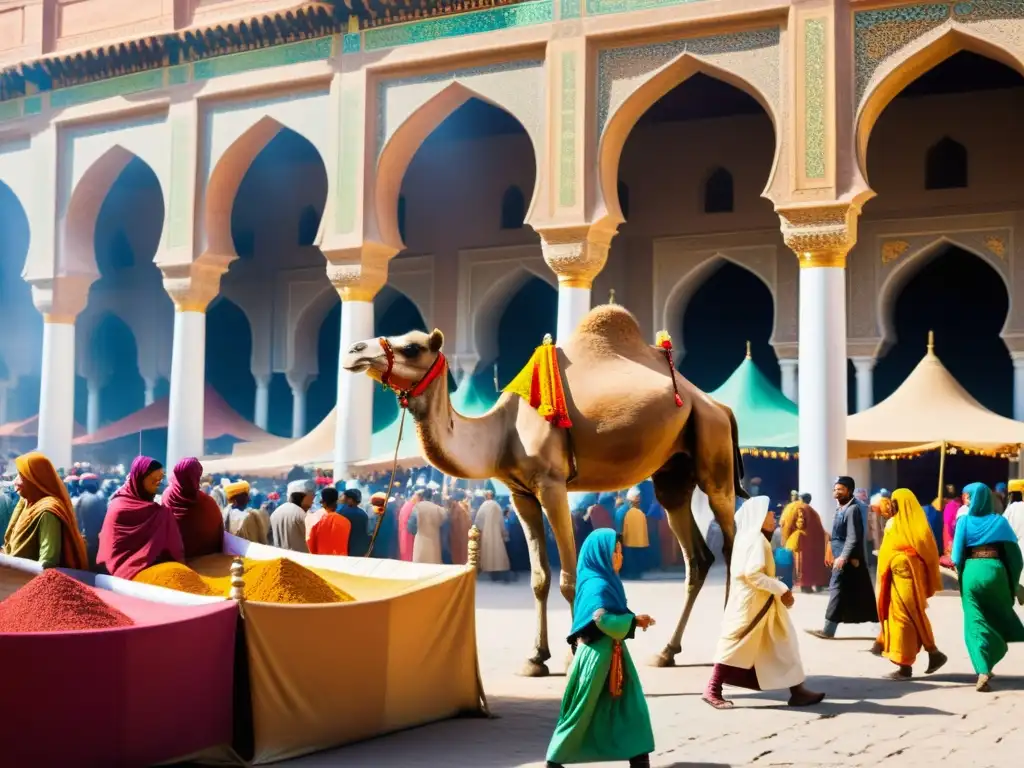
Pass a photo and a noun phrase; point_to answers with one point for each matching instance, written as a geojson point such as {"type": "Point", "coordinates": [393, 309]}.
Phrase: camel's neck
{"type": "Point", "coordinates": [458, 445]}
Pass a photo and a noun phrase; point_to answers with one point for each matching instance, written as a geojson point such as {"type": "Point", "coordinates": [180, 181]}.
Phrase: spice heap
{"type": "Point", "coordinates": [266, 581]}
{"type": "Point", "coordinates": [55, 602]}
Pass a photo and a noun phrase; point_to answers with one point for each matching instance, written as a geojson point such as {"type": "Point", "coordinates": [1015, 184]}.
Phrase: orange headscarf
{"type": "Point", "coordinates": [909, 533]}
{"type": "Point", "coordinates": [43, 491]}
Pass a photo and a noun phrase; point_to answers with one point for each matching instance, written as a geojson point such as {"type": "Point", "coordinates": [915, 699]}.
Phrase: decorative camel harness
{"type": "Point", "coordinates": [539, 384]}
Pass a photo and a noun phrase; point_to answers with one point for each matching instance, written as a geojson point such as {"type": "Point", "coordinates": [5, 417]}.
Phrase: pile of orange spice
{"type": "Point", "coordinates": [266, 581]}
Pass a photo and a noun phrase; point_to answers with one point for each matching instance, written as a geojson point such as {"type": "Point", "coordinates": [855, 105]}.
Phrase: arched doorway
{"type": "Point", "coordinates": [228, 352]}
{"type": "Point", "coordinates": [715, 334]}
{"type": "Point", "coordinates": [274, 221]}
{"type": "Point", "coordinates": [928, 156]}
{"type": "Point", "coordinates": [529, 314]}
{"type": "Point", "coordinates": [128, 295]}
{"type": "Point", "coordinates": [16, 310]}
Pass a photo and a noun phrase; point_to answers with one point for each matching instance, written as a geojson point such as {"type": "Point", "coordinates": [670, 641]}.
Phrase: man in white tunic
{"type": "Point", "coordinates": [493, 535]}
{"type": "Point", "coordinates": [758, 649]}
{"type": "Point", "coordinates": [427, 518]}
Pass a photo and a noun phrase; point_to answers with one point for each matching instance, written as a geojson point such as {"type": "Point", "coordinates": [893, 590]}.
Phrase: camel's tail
{"type": "Point", "coordinates": [737, 473]}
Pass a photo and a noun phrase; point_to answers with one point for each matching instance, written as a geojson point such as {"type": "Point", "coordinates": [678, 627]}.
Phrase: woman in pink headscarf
{"type": "Point", "coordinates": [949, 514]}
{"type": "Point", "coordinates": [405, 538]}
{"type": "Point", "coordinates": [137, 532]}
{"type": "Point", "coordinates": [198, 516]}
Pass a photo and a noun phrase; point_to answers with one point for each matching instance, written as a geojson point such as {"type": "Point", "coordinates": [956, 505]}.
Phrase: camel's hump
{"type": "Point", "coordinates": [613, 324]}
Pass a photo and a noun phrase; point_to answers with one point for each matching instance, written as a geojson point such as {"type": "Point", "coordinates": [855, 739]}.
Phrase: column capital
{"type": "Point", "coordinates": [820, 234]}
{"type": "Point", "coordinates": [360, 272]}
{"type": "Point", "coordinates": [61, 299]}
{"type": "Point", "coordinates": [465, 363]}
{"type": "Point", "coordinates": [194, 285]}
{"type": "Point", "coordinates": [1018, 359]}
{"type": "Point", "coordinates": [576, 254]}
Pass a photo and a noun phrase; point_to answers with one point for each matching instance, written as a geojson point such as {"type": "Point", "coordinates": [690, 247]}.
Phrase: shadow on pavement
{"type": "Point", "coordinates": [829, 709]}
{"type": "Point", "coordinates": [999, 683]}
{"type": "Point", "coordinates": [856, 688]}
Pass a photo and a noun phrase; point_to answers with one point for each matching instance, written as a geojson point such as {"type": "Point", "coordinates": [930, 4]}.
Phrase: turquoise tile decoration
{"type": "Point", "coordinates": [317, 49]}
{"type": "Point", "coordinates": [126, 85]}
{"type": "Point", "coordinates": [10, 110]}
{"type": "Point", "coordinates": [601, 7]}
{"type": "Point", "coordinates": [179, 75]}
{"type": "Point", "coordinates": [351, 43]}
{"type": "Point", "coordinates": [458, 25]}
{"type": "Point", "coordinates": [570, 9]}
{"type": "Point", "coordinates": [33, 105]}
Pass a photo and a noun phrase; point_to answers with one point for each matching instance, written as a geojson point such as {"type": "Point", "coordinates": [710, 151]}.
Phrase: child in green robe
{"type": "Point", "coordinates": [604, 714]}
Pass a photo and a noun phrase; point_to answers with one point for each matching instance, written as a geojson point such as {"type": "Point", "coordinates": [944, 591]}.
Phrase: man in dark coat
{"type": "Point", "coordinates": [851, 598]}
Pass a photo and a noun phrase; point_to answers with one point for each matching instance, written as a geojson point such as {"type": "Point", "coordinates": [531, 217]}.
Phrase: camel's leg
{"type": "Point", "coordinates": [555, 501]}
{"type": "Point", "coordinates": [528, 509]}
{"type": "Point", "coordinates": [673, 485]}
{"type": "Point", "coordinates": [723, 504]}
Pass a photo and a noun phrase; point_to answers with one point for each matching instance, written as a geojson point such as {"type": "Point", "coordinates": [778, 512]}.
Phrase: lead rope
{"type": "Point", "coordinates": [391, 484]}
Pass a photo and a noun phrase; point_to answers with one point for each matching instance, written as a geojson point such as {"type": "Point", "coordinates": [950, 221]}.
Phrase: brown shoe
{"type": "Point", "coordinates": [717, 703]}
{"type": "Point", "coordinates": [820, 634]}
{"type": "Point", "coordinates": [936, 661]}
{"type": "Point", "coordinates": [801, 696]}
{"type": "Point", "coordinates": [901, 673]}
{"type": "Point", "coordinates": [982, 685]}
{"type": "Point", "coordinates": [877, 648]}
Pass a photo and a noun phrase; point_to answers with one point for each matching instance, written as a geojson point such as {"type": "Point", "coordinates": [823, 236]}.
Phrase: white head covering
{"type": "Point", "coordinates": [748, 547]}
{"type": "Point", "coordinates": [300, 486]}
{"type": "Point", "coordinates": [633, 494]}
{"type": "Point", "coordinates": [434, 485]}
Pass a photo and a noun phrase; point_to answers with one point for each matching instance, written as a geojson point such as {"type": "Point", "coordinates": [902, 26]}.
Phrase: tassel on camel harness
{"type": "Point", "coordinates": [664, 341]}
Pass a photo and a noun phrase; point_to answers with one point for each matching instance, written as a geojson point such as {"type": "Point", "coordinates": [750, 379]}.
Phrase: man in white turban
{"type": "Point", "coordinates": [493, 535]}
{"type": "Point", "coordinates": [288, 522]}
{"type": "Point", "coordinates": [758, 649]}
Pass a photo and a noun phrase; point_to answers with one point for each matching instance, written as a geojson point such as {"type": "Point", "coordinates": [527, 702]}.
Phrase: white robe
{"type": "Point", "coordinates": [493, 552]}
{"type": "Point", "coordinates": [426, 547]}
{"type": "Point", "coordinates": [771, 647]}
{"type": "Point", "coordinates": [1014, 515]}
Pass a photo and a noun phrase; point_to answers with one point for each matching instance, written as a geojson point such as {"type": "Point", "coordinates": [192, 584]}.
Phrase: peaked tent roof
{"type": "Point", "coordinates": [928, 409]}
{"type": "Point", "coordinates": [766, 417]}
{"type": "Point", "coordinates": [29, 428]}
{"type": "Point", "coordinates": [220, 420]}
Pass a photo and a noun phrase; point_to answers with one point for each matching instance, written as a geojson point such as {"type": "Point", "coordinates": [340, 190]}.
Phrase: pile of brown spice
{"type": "Point", "coordinates": [55, 602]}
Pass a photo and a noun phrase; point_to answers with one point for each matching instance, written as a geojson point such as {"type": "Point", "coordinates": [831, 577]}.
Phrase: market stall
{"type": "Point", "coordinates": [403, 654]}
{"type": "Point", "coordinates": [157, 688]}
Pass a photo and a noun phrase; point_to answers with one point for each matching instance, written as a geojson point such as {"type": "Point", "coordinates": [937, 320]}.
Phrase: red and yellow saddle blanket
{"type": "Point", "coordinates": [540, 384]}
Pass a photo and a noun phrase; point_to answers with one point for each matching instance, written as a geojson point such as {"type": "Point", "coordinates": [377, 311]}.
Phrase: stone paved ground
{"type": "Point", "coordinates": [865, 720]}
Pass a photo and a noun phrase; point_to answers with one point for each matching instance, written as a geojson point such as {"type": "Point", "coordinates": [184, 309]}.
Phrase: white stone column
{"type": "Point", "coordinates": [355, 391]}
{"type": "Point", "coordinates": [864, 367]}
{"type": "Point", "coordinates": [573, 305]}
{"type": "Point", "coordinates": [92, 412]}
{"type": "Point", "coordinates": [262, 409]}
{"type": "Point", "coordinates": [57, 392]}
{"type": "Point", "coordinates": [789, 368]}
{"type": "Point", "coordinates": [1018, 386]}
{"type": "Point", "coordinates": [576, 255]}
{"type": "Point", "coordinates": [187, 412]}
{"type": "Point", "coordinates": [299, 407]}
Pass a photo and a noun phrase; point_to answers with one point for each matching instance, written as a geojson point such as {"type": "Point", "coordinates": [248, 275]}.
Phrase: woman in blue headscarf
{"type": "Point", "coordinates": [604, 714]}
{"type": "Point", "coordinates": [988, 560]}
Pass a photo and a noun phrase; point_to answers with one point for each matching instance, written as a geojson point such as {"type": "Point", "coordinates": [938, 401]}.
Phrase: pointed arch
{"type": "Point", "coordinates": [909, 64]}
{"type": "Point", "coordinates": [909, 267]}
{"type": "Point", "coordinates": [226, 177]}
{"type": "Point", "coordinates": [622, 121]}
{"type": "Point", "coordinates": [683, 291]}
{"type": "Point", "coordinates": [718, 191]}
{"type": "Point", "coordinates": [309, 225]}
{"type": "Point", "coordinates": [230, 374]}
{"type": "Point", "coordinates": [494, 303]}
{"type": "Point", "coordinates": [946, 165]}
{"type": "Point", "coordinates": [76, 254]}
{"type": "Point", "coordinates": [405, 141]}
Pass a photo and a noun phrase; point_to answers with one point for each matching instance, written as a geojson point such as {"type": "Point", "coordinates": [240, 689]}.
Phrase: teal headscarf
{"type": "Point", "coordinates": [980, 526]}
{"type": "Point", "coordinates": [597, 584]}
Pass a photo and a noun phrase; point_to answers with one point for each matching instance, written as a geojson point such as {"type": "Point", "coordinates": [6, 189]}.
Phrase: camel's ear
{"type": "Point", "coordinates": [436, 341]}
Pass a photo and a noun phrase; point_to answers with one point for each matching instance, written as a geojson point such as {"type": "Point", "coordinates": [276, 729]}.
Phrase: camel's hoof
{"type": "Point", "coordinates": [664, 659]}
{"type": "Point", "coordinates": [534, 669]}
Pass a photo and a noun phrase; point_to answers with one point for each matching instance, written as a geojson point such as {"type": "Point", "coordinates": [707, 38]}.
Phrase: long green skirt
{"type": "Point", "coordinates": [989, 619]}
{"type": "Point", "coordinates": [593, 726]}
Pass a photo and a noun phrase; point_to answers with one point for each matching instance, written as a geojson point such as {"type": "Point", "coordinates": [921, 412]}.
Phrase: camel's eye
{"type": "Point", "coordinates": [411, 350]}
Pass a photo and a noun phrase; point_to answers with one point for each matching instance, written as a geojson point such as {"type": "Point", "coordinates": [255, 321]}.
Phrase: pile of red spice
{"type": "Point", "coordinates": [55, 602]}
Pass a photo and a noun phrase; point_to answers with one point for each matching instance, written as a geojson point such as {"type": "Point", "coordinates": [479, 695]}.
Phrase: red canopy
{"type": "Point", "coordinates": [220, 420]}
{"type": "Point", "coordinates": [29, 428]}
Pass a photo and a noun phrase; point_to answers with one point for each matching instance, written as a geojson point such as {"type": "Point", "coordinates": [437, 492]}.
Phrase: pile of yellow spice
{"type": "Point", "coordinates": [266, 581]}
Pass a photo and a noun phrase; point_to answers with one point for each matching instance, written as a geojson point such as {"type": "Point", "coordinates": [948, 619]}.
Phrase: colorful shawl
{"type": "Point", "coordinates": [981, 526]}
{"type": "Point", "coordinates": [198, 516]}
{"type": "Point", "coordinates": [908, 533]}
{"type": "Point", "coordinates": [598, 586]}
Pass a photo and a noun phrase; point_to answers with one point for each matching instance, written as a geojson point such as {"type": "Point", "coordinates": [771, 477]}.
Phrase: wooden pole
{"type": "Point", "coordinates": [474, 548]}
{"type": "Point", "coordinates": [942, 472]}
{"type": "Point", "coordinates": [237, 580]}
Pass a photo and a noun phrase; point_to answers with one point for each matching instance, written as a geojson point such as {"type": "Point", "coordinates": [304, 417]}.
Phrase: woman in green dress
{"type": "Point", "coordinates": [988, 561]}
{"type": "Point", "coordinates": [604, 715]}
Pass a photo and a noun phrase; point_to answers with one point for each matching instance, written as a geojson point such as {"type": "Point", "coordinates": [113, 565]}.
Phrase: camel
{"type": "Point", "coordinates": [626, 427]}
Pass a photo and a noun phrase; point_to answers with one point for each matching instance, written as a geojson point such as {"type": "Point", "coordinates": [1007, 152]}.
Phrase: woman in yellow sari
{"type": "Point", "coordinates": [908, 574]}
{"type": "Point", "coordinates": [43, 526]}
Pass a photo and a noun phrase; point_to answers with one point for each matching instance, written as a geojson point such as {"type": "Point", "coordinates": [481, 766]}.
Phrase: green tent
{"type": "Point", "coordinates": [766, 417]}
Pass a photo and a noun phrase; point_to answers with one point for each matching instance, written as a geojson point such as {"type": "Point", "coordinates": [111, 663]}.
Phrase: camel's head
{"type": "Point", "coordinates": [402, 362]}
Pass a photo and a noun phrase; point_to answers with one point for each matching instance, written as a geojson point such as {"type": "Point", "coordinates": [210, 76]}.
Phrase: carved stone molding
{"type": "Point", "coordinates": [821, 235]}
{"type": "Point", "coordinates": [893, 249]}
{"type": "Point", "coordinates": [61, 299]}
{"type": "Point", "coordinates": [576, 254]}
{"type": "Point", "coordinates": [193, 286]}
{"type": "Point", "coordinates": [358, 274]}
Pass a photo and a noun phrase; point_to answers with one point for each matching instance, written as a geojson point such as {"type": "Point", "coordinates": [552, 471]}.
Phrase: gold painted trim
{"type": "Point", "coordinates": [356, 293]}
{"type": "Point", "coordinates": [191, 306]}
{"type": "Point", "coordinates": [815, 259]}
{"type": "Point", "coordinates": [59, 319]}
{"type": "Point", "coordinates": [571, 281]}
